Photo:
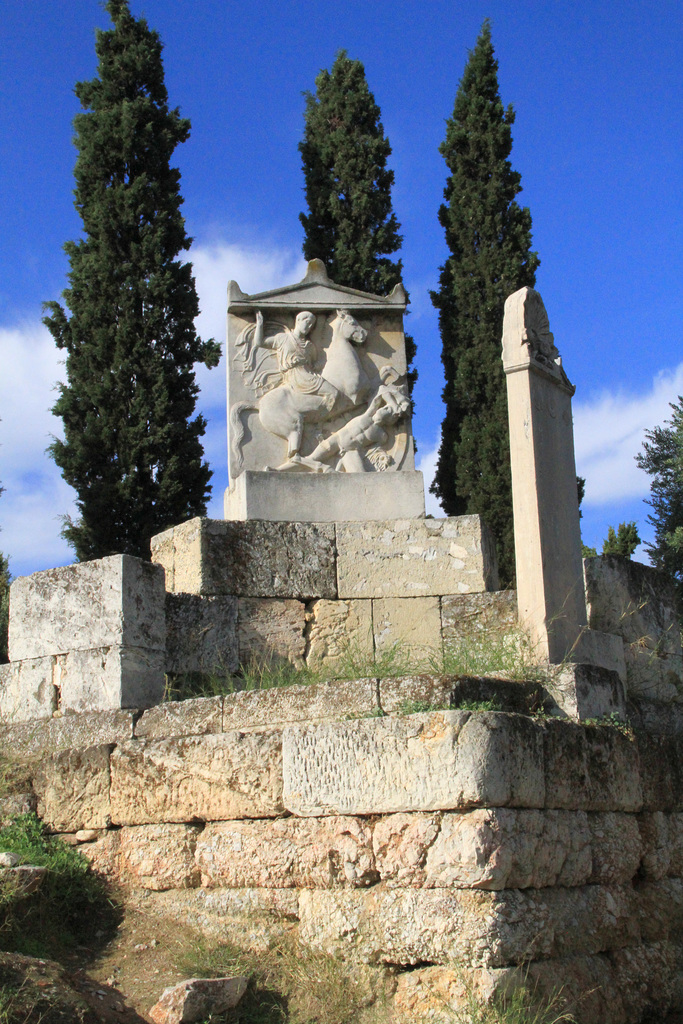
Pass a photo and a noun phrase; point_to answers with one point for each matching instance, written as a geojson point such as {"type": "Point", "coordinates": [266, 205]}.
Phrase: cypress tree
{"type": "Point", "coordinates": [351, 225]}
{"type": "Point", "coordinates": [662, 459]}
{"type": "Point", "coordinates": [489, 239]}
{"type": "Point", "coordinates": [130, 449]}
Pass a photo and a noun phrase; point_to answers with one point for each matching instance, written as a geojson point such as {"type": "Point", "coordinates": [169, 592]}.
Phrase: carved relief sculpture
{"type": "Point", "coordinates": [324, 395]}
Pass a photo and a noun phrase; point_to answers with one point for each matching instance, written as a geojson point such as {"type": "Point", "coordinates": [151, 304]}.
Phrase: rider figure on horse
{"type": "Point", "coordinates": [296, 354]}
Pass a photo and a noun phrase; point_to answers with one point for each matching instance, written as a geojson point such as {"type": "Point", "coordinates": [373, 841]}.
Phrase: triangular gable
{"type": "Point", "coordinates": [316, 291]}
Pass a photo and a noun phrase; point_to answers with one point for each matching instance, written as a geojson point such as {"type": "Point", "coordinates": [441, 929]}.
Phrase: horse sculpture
{"type": "Point", "coordinates": [294, 392]}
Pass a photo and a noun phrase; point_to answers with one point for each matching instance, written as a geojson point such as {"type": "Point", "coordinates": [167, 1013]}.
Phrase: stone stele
{"type": "Point", "coordinates": [550, 591]}
{"type": "Point", "coordinates": [319, 425]}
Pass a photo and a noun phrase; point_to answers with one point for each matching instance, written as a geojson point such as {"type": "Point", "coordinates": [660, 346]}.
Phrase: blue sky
{"type": "Point", "coordinates": [597, 91]}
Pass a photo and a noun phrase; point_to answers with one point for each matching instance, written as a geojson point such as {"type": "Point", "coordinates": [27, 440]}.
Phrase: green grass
{"type": "Point", "coordinates": [72, 904]}
{"type": "Point", "coordinates": [291, 984]}
{"type": "Point", "coordinates": [493, 652]}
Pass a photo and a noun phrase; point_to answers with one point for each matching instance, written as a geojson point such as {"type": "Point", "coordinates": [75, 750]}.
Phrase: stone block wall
{"type": "Point", "coordinates": [490, 840]}
{"type": "Point", "coordinates": [83, 637]}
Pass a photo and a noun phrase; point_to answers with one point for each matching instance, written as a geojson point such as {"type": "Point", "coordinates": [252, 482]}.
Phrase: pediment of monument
{"type": "Point", "coordinates": [316, 291]}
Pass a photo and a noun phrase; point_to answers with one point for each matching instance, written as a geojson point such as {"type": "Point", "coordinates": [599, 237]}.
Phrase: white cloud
{"type": "Point", "coordinates": [426, 462]}
{"type": "Point", "coordinates": [36, 498]}
{"type": "Point", "coordinates": [609, 432]}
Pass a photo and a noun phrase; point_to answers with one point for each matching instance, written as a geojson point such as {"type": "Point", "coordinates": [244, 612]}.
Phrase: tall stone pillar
{"type": "Point", "coordinates": [550, 587]}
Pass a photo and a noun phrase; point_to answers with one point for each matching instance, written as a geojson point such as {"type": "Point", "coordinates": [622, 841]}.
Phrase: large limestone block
{"type": "Point", "coordinates": [271, 630]}
{"type": "Point", "coordinates": [252, 559]}
{"type": "Point", "coordinates": [583, 986]}
{"type": "Point", "coordinates": [109, 602]}
{"type": "Point", "coordinates": [449, 759]}
{"type": "Point", "coordinates": [109, 677]}
{"type": "Point", "coordinates": [653, 676]}
{"type": "Point", "coordinates": [633, 601]}
{"type": "Point", "coordinates": [201, 634]}
{"type": "Point", "coordinates": [661, 771]}
{"type": "Point", "coordinates": [73, 789]}
{"type": "Point", "coordinates": [415, 558]}
{"type": "Point", "coordinates": [645, 975]}
{"type": "Point", "coordinates": [155, 857]}
{"type": "Point", "coordinates": [287, 853]}
{"type": "Point", "coordinates": [70, 732]}
{"type": "Point", "coordinates": [181, 718]}
{"type": "Point", "coordinates": [662, 837]}
{"type": "Point", "coordinates": [325, 498]}
{"type": "Point", "coordinates": [409, 926]}
{"type": "Point", "coordinates": [588, 691]}
{"type": "Point", "coordinates": [506, 848]}
{"type": "Point", "coordinates": [339, 631]}
{"type": "Point", "coordinates": [402, 693]}
{"type": "Point", "coordinates": [591, 768]}
{"type": "Point", "coordinates": [660, 909]}
{"type": "Point", "coordinates": [197, 778]}
{"type": "Point", "coordinates": [475, 617]}
{"type": "Point", "coordinates": [252, 918]}
{"type": "Point", "coordinates": [411, 625]}
{"type": "Point", "coordinates": [257, 709]}
{"type": "Point", "coordinates": [27, 690]}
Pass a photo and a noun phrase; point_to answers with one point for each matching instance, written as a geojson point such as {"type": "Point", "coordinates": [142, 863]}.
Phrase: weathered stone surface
{"type": "Point", "coordinates": [195, 999]}
{"type": "Point", "coordinates": [442, 760]}
{"type": "Point", "coordinates": [197, 778]}
{"type": "Point", "coordinates": [589, 691]}
{"type": "Point", "coordinates": [616, 847]}
{"type": "Point", "coordinates": [253, 918]}
{"type": "Point", "coordinates": [69, 732]}
{"type": "Point", "coordinates": [661, 770]}
{"type": "Point", "coordinates": [407, 926]}
{"type": "Point", "coordinates": [73, 789]}
{"type": "Point", "coordinates": [155, 857]}
{"type": "Point", "coordinates": [651, 675]}
{"type": "Point", "coordinates": [645, 975]}
{"type": "Point", "coordinates": [415, 558]}
{"type": "Point", "coordinates": [662, 837]}
{"type": "Point", "coordinates": [181, 718]}
{"type": "Point", "coordinates": [477, 616]}
{"type": "Point", "coordinates": [546, 513]}
{"type": "Point", "coordinates": [583, 986]}
{"type": "Point", "coordinates": [325, 498]}
{"type": "Point", "coordinates": [22, 880]}
{"type": "Point", "coordinates": [411, 624]}
{"type": "Point", "coordinates": [15, 804]}
{"type": "Point", "coordinates": [660, 909]}
{"type": "Point", "coordinates": [405, 693]}
{"type": "Point", "coordinates": [506, 849]}
{"type": "Point", "coordinates": [401, 843]}
{"type": "Point", "coordinates": [27, 690]}
{"type": "Point", "coordinates": [253, 559]}
{"type": "Point", "coordinates": [633, 601]}
{"type": "Point", "coordinates": [108, 678]}
{"type": "Point", "coordinates": [592, 768]}
{"type": "Point", "coordinates": [287, 853]}
{"type": "Point", "coordinates": [111, 601]}
{"type": "Point", "coordinates": [201, 634]}
{"type": "Point", "coordinates": [271, 630]}
{"type": "Point", "coordinates": [163, 555]}
{"type": "Point", "coordinates": [255, 709]}
{"type": "Point", "coordinates": [339, 630]}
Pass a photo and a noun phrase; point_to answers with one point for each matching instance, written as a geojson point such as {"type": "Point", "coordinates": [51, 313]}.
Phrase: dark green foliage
{"type": "Point", "coordinates": [5, 580]}
{"type": "Point", "coordinates": [71, 904]}
{"type": "Point", "coordinates": [350, 226]}
{"type": "Point", "coordinates": [662, 458]}
{"type": "Point", "coordinates": [624, 542]}
{"type": "Point", "coordinates": [130, 451]}
{"type": "Point", "coordinates": [489, 239]}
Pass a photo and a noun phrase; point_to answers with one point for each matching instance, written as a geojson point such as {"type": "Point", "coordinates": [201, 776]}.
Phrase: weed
{"type": "Point", "coordinates": [518, 1003]}
{"type": "Point", "coordinates": [290, 984]}
{"type": "Point", "coordinates": [71, 904]}
{"type": "Point", "coordinates": [492, 652]}
{"type": "Point", "coordinates": [612, 720]}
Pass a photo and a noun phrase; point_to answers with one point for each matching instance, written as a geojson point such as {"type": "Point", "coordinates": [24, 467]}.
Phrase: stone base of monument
{"type": "Point", "coordinates": [325, 497]}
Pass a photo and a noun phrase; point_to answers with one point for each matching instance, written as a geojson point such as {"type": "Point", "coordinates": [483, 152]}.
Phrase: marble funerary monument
{"type": "Point", "coordinates": [394, 820]}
